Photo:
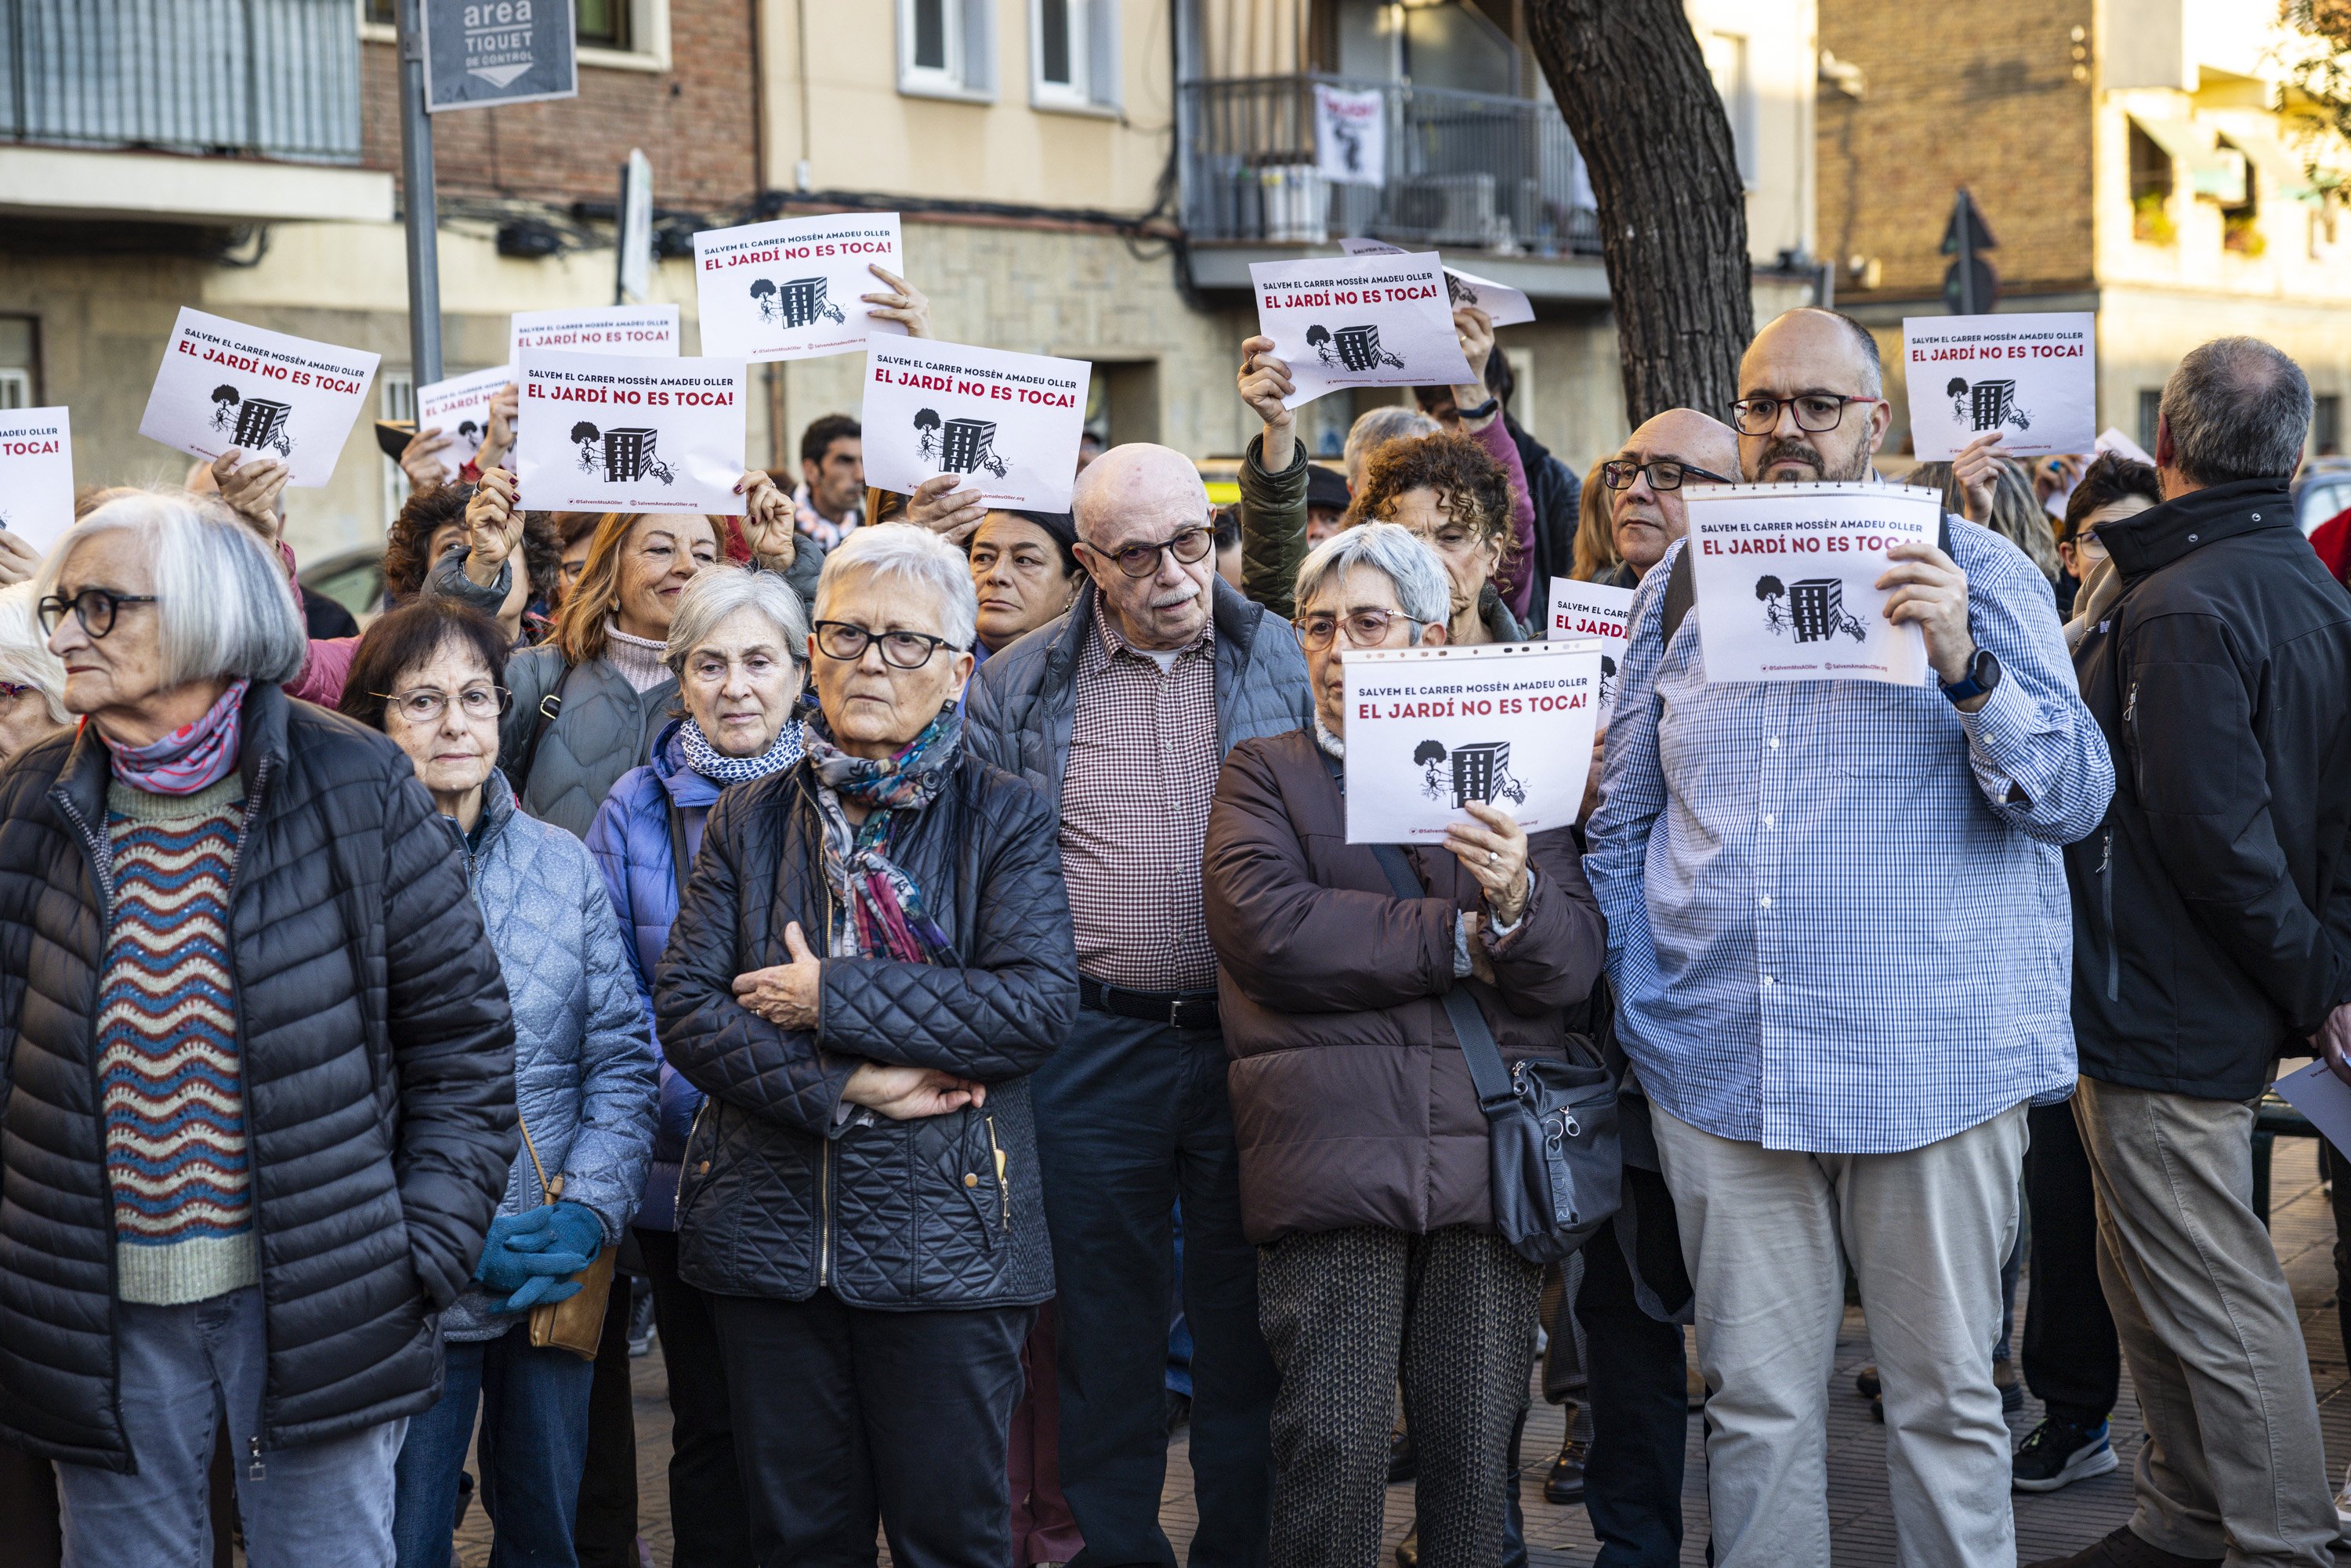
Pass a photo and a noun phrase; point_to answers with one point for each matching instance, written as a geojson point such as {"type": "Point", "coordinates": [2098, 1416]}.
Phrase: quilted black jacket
{"type": "Point", "coordinates": [779, 1196]}
{"type": "Point", "coordinates": [378, 1055]}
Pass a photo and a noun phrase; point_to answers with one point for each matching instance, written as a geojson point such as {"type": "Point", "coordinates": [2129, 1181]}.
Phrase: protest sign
{"type": "Point", "coordinates": [1351, 136]}
{"type": "Point", "coordinates": [1430, 730]}
{"type": "Point", "coordinates": [1580, 609]}
{"type": "Point", "coordinates": [1786, 578]}
{"type": "Point", "coordinates": [460, 407]}
{"type": "Point", "coordinates": [223, 383]}
{"type": "Point", "coordinates": [2317, 1093]}
{"type": "Point", "coordinates": [2032, 379]}
{"type": "Point", "coordinates": [1359, 322]}
{"type": "Point", "coordinates": [482, 53]}
{"type": "Point", "coordinates": [649, 330]}
{"type": "Point", "coordinates": [791, 290]}
{"type": "Point", "coordinates": [2113, 440]}
{"type": "Point", "coordinates": [1009, 423]}
{"type": "Point", "coordinates": [1503, 305]}
{"type": "Point", "coordinates": [37, 491]}
{"type": "Point", "coordinates": [620, 433]}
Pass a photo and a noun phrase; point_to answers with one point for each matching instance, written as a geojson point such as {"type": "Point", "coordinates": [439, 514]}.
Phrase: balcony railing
{"type": "Point", "coordinates": [274, 78]}
{"type": "Point", "coordinates": [1465, 169]}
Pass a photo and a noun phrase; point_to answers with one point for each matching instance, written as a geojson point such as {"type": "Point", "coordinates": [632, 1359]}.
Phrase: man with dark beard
{"type": "Point", "coordinates": [1838, 932]}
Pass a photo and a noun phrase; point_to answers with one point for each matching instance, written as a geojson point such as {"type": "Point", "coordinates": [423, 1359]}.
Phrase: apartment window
{"type": "Point", "coordinates": [1073, 53]}
{"type": "Point", "coordinates": [2150, 189]}
{"type": "Point", "coordinates": [947, 49]}
{"type": "Point", "coordinates": [2327, 426]}
{"type": "Point", "coordinates": [395, 399]}
{"type": "Point", "coordinates": [1726, 61]}
{"type": "Point", "coordinates": [624, 27]}
{"type": "Point", "coordinates": [2150, 414]}
{"type": "Point", "coordinates": [604, 24]}
{"type": "Point", "coordinates": [20, 340]}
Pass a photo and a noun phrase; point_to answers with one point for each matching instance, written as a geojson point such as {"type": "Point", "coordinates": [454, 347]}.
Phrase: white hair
{"type": "Point", "coordinates": [223, 607]}
{"type": "Point", "coordinates": [716, 592]}
{"type": "Point", "coordinates": [907, 553]}
{"type": "Point", "coordinates": [1403, 556]}
{"type": "Point", "coordinates": [24, 657]}
{"type": "Point", "coordinates": [1375, 427]}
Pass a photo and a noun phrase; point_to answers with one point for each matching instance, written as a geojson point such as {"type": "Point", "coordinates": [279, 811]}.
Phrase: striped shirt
{"type": "Point", "coordinates": [169, 1085]}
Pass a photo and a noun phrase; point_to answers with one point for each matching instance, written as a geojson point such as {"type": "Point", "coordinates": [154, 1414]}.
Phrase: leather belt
{"type": "Point", "coordinates": [1177, 1009]}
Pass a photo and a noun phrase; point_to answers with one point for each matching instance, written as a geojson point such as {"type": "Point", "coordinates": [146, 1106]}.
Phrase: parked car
{"type": "Point", "coordinates": [2320, 491]}
{"type": "Point", "coordinates": [352, 578]}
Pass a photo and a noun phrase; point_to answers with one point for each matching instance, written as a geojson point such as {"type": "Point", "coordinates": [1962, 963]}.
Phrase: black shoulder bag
{"type": "Point", "coordinates": [549, 707]}
{"type": "Point", "coordinates": [1553, 1167]}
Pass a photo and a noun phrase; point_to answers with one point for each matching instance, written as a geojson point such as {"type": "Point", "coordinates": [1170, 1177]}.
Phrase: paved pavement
{"type": "Point", "coordinates": [1862, 1520]}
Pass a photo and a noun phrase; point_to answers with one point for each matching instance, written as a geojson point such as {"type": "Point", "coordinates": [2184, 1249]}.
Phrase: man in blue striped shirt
{"type": "Point", "coordinates": [1840, 939]}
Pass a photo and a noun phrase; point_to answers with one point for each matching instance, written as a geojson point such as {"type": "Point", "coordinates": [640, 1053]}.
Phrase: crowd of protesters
{"type": "Point", "coordinates": [921, 942]}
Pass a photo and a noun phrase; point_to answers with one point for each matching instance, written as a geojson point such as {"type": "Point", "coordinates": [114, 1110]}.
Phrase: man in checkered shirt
{"type": "Point", "coordinates": [1840, 938]}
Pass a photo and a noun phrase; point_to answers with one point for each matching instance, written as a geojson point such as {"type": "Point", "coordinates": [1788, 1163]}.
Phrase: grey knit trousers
{"type": "Point", "coordinates": [1348, 1315]}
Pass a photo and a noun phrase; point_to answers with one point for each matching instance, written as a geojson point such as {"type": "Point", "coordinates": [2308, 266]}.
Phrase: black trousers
{"type": "Point", "coordinates": [605, 1535]}
{"type": "Point", "coordinates": [846, 1417]}
{"type": "Point", "coordinates": [1638, 1386]}
{"type": "Point", "coordinates": [1129, 1117]}
{"type": "Point", "coordinates": [708, 1523]}
{"type": "Point", "coordinates": [2072, 1362]}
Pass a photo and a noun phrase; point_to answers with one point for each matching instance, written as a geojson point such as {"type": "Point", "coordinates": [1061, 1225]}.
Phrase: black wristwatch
{"type": "Point", "coordinates": [1983, 673]}
{"type": "Point", "coordinates": [1482, 410]}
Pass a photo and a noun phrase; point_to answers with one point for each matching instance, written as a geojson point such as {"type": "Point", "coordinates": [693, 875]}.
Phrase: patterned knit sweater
{"type": "Point", "coordinates": [169, 1077]}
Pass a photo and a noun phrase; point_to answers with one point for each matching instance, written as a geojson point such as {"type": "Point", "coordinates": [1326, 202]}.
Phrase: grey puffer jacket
{"type": "Point", "coordinates": [1022, 699]}
{"type": "Point", "coordinates": [585, 1071]}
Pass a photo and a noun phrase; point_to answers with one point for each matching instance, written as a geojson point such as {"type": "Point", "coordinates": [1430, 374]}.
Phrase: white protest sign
{"type": "Point", "coordinates": [649, 330]}
{"type": "Point", "coordinates": [620, 433]}
{"type": "Point", "coordinates": [1503, 305]}
{"type": "Point", "coordinates": [791, 290]}
{"type": "Point", "coordinates": [1580, 609]}
{"type": "Point", "coordinates": [224, 385]}
{"type": "Point", "coordinates": [460, 407]}
{"type": "Point", "coordinates": [1430, 730]}
{"type": "Point", "coordinates": [1786, 578]}
{"type": "Point", "coordinates": [37, 489]}
{"type": "Point", "coordinates": [1351, 136]}
{"type": "Point", "coordinates": [2032, 379]}
{"type": "Point", "coordinates": [1359, 322]}
{"type": "Point", "coordinates": [2113, 440]}
{"type": "Point", "coordinates": [2317, 1093]}
{"type": "Point", "coordinates": [1009, 421]}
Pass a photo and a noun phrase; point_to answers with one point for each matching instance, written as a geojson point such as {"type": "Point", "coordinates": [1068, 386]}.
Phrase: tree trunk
{"type": "Point", "coordinates": [1643, 109]}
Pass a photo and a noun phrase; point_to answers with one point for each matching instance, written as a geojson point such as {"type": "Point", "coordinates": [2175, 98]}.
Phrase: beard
{"type": "Point", "coordinates": [1856, 464]}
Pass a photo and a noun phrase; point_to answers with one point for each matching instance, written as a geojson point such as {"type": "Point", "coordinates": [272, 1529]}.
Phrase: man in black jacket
{"type": "Point", "coordinates": [2212, 934]}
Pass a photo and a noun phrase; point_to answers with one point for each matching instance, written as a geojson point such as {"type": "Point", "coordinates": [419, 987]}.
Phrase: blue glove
{"type": "Point", "coordinates": [545, 1289]}
{"type": "Point", "coordinates": [572, 1228]}
{"type": "Point", "coordinates": [501, 1269]}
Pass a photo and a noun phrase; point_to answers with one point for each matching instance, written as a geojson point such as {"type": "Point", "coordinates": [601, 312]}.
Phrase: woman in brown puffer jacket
{"type": "Point", "coordinates": [1362, 1151]}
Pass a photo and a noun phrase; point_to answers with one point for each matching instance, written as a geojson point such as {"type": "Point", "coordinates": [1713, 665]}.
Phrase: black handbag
{"type": "Point", "coordinates": [1553, 1167]}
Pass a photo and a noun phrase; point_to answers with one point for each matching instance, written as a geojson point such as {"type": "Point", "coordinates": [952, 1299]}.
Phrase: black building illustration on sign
{"type": "Point", "coordinates": [1985, 405]}
{"type": "Point", "coordinates": [262, 423]}
{"type": "Point", "coordinates": [625, 456]}
{"type": "Point", "coordinates": [1815, 607]}
{"type": "Point", "coordinates": [1479, 771]}
{"type": "Point", "coordinates": [1457, 292]}
{"type": "Point", "coordinates": [1356, 348]}
{"type": "Point", "coordinates": [1607, 680]}
{"type": "Point", "coordinates": [958, 446]}
{"type": "Point", "coordinates": [798, 304]}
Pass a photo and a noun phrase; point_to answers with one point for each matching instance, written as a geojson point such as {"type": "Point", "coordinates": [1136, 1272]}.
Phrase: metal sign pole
{"type": "Point", "coordinates": [422, 207]}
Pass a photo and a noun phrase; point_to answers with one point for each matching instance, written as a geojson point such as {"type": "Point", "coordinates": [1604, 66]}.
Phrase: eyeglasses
{"type": "Point", "coordinates": [95, 608]}
{"type": "Point", "coordinates": [1665, 473]}
{"type": "Point", "coordinates": [1366, 628]}
{"type": "Point", "coordinates": [841, 641]}
{"type": "Point", "coordinates": [573, 568]}
{"type": "Point", "coordinates": [425, 705]}
{"type": "Point", "coordinates": [1816, 412]}
{"type": "Point", "coordinates": [1189, 547]}
{"type": "Point", "coordinates": [11, 690]}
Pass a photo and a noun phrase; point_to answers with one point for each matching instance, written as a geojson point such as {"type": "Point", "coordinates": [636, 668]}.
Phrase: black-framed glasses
{"type": "Point", "coordinates": [95, 608]}
{"type": "Point", "coordinates": [1816, 412]}
{"type": "Point", "coordinates": [899, 650]}
{"type": "Point", "coordinates": [1190, 546]}
{"type": "Point", "coordinates": [1665, 473]}
{"type": "Point", "coordinates": [1366, 628]}
{"type": "Point", "coordinates": [424, 705]}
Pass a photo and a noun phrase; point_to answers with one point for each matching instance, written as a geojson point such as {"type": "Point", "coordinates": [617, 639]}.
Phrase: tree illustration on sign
{"type": "Point", "coordinates": [927, 421]}
{"type": "Point", "coordinates": [1772, 591]}
{"type": "Point", "coordinates": [1318, 337]}
{"type": "Point", "coordinates": [225, 401]}
{"type": "Point", "coordinates": [1814, 608]}
{"type": "Point", "coordinates": [587, 437]}
{"type": "Point", "coordinates": [763, 292]}
{"type": "Point", "coordinates": [1429, 756]}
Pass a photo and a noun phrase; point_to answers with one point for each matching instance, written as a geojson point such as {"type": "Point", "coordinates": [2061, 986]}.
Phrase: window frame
{"type": "Point", "coordinates": [969, 74]}
{"type": "Point", "coordinates": [649, 37]}
{"type": "Point", "coordinates": [1094, 55]}
{"type": "Point", "coordinates": [31, 369]}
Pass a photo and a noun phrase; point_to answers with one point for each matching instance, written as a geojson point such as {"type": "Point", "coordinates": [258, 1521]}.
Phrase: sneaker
{"type": "Point", "coordinates": [2059, 1452]}
{"type": "Point", "coordinates": [640, 1325]}
{"type": "Point", "coordinates": [2124, 1549]}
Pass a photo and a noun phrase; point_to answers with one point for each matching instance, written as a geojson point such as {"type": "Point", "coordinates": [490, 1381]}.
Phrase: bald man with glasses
{"type": "Point", "coordinates": [1644, 479]}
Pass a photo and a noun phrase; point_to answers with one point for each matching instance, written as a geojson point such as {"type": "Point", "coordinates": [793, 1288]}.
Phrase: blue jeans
{"type": "Point", "coordinates": [184, 1371]}
{"type": "Point", "coordinates": [534, 1444]}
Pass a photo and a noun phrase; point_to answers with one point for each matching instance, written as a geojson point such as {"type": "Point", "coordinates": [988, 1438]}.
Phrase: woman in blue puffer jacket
{"type": "Point", "coordinates": [430, 676]}
{"type": "Point", "coordinates": [738, 646]}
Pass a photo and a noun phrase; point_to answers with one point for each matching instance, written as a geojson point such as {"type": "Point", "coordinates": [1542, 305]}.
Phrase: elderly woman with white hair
{"type": "Point", "coordinates": [260, 1062]}
{"type": "Point", "coordinates": [871, 958]}
{"type": "Point", "coordinates": [1362, 1149]}
{"type": "Point", "coordinates": [32, 681]}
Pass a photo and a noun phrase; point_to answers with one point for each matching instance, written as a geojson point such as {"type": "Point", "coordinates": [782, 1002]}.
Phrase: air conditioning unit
{"type": "Point", "coordinates": [1449, 209]}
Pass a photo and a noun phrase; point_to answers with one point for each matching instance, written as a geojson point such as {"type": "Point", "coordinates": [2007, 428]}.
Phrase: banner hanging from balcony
{"type": "Point", "coordinates": [460, 408]}
{"type": "Point", "coordinates": [620, 433]}
{"type": "Point", "coordinates": [1351, 135]}
{"type": "Point", "coordinates": [479, 55]}
{"type": "Point", "coordinates": [2031, 380]}
{"type": "Point", "coordinates": [1787, 580]}
{"type": "Point", "coordinates": [1009, 423]}
{"type": "Point", "coordinates": [1431, 729]}
{"type": "Point", "coordinates": [37, 487]}
{"type": "Point", "coordinates": [1359, 322]}
{"type": "Point", "coordinates": [793, 288]}
{"type": "Point", "coordinates": [649, 330]}
{"type": "Point", "coordinates": [1503, 305]}
{"type": "Point", "coordinates": [223, 383]}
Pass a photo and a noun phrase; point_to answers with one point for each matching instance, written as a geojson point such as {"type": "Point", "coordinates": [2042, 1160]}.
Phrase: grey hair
{"type": "Point", "coordinates": [1376, 426]}
{"type": "Point", "coordinates": [716, 592]}
{"type": "Point", "coordinates": [223, 607]}
{"type": "Point", "coordinates": [24, 657]}
{"type": "Point", "coordinates": [1422, 589]}
{"type": "Point", "coordinates": [907, 553]}
{"type": "Point", "coordinates": [2236, 409]}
